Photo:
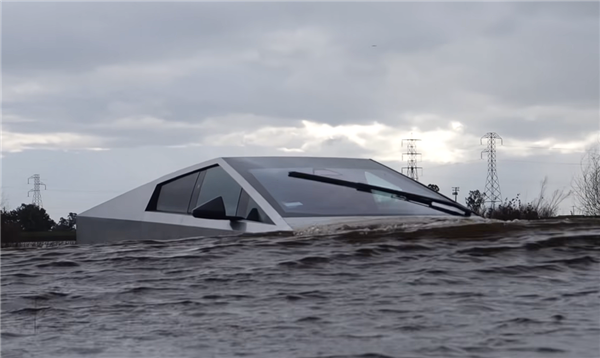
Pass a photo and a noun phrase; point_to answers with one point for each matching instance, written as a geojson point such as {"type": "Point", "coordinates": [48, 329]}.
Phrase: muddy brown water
{"type": "Point", "coordinates": [431, 289]}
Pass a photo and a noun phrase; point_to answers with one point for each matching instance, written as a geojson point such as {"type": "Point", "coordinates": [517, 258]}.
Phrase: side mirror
{"type": "Point", "coordinates": [213, 209]}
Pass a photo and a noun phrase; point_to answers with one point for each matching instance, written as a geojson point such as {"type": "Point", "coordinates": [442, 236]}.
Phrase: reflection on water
{"type": "Point", "coordinates": [420, 289]}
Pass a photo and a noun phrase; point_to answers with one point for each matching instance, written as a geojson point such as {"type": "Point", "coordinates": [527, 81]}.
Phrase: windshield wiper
{"type": "Point", "coordinates": [397, 194]}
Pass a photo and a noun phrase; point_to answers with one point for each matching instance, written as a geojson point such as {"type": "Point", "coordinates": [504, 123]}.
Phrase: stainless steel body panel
{"type": "Point", "coordinates": [304, 222]}
{"type": "Point", "coordinates": [102, 230]}
{"type": "Point", "coordinates": [125, 217]}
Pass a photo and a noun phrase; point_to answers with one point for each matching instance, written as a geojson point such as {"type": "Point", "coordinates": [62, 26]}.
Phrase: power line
{"type": "Point", "coordinates": [37, 196]}
{"type": "Point", "coordinates": [538, 162]}
{"type": "Point", "coordinates": [548, 147]}
{"type": "Point", "coordinates": [492, 184]}
{"type": "Point", "coordinates": [503, 160]}
{"type": "Point", "coordinates": [86, 191]}
{"type": "Point", "coordinates": [412, 169]}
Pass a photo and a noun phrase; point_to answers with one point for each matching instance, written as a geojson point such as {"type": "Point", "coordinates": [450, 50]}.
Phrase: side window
{"type": "Point", "coordinates": [174, 196]}
{"type": "Point", "coordinates": [250, 210]}
{"type": "Point", "coordinates": [218, 183]}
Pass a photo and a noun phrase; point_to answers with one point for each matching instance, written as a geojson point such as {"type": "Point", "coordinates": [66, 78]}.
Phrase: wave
{"type": "Point", "coordinates": [463, 228]}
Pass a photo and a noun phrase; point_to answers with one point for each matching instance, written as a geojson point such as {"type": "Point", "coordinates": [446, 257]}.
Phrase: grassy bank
{"type": "Point", "coordinates": [39, 238]}
{"type": "Point", "coordinates": [543, 207]}
{"type": "Point", "coordinates": [47, 236]}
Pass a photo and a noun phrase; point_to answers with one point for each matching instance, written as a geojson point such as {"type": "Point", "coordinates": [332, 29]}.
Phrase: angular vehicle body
{"type": "Point", "coordinates": [260, 194]}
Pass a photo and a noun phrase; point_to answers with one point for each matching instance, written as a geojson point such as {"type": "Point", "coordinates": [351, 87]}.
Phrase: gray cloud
{"type": "Point", "coordinates": [81, 36]}
{"type": "Point", "coordinates": [188, 62]}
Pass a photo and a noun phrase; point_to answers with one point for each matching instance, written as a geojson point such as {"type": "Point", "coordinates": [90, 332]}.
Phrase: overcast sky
{"type": "Point", "coordinates": [99, 98]}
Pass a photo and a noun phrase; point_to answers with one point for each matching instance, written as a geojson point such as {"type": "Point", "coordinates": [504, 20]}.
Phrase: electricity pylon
{"type": "Point", "coordinates": [492, 185]}
{"type": "Point", "coordinates": [37, 196]}
{"type": "Point", "coordinates": [412, 169]}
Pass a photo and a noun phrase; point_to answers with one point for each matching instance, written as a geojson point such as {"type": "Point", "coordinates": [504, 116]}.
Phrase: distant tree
{"type": "Point", "coordinates": [67, 224]}
{"type": "Point", "coordinates": [33, 218]}
{"type": "Point", "coordinates": [4, 202]}
{"type": "Point", "coordinates": [586, 187]}
{"type": "Point", "coordinates": [434, 187]}
{"type": "Point", "coordinates": [476, 202]}
{"type": "Point", "coordinates": [9, 225]}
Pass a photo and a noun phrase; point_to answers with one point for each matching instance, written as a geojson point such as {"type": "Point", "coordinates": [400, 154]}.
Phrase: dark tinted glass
{"type": "Point", "coordinates": [250, 210]}
{"type": "Point", "coordinates": [218, 183]}
{"type": "Point", "coordinates": [299, 197]}
{"type": "Point", "coordinates": [175, 196]}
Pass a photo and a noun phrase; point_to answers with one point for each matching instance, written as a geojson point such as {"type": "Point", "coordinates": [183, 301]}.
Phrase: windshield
{"type": "Point", "coordinates": [294, 197]}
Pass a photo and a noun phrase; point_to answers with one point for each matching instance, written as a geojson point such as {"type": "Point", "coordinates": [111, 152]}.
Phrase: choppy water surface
{"type": "Point", "coordinates": [432, 290]}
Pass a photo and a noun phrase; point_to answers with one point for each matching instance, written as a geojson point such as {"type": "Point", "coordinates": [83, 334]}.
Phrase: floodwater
{"type": "Point", "coordinates": [432, 289]}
